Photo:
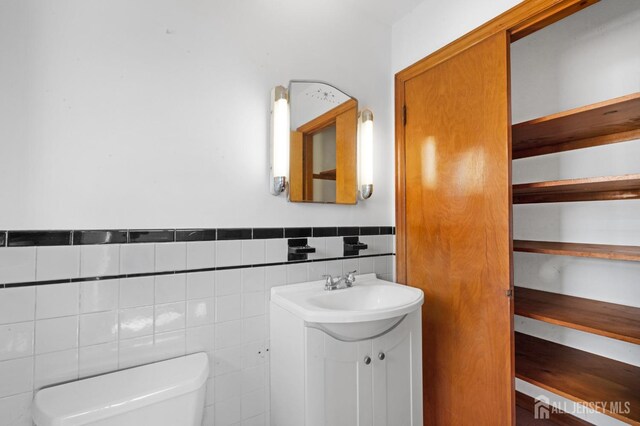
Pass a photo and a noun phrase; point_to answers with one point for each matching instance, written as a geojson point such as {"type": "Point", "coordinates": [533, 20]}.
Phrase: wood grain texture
{"type": "Point", "coordinates": [346, 156]}
{"type": "Point", "coordinates": [607, 122]}
{"type": "Point", "coordinates": [328, 118]}
{"type": "Point", "coordinates": [523, 19]}
{"type": "Point", "coordinates": [601, 251]}
{"type": "Point", "coordinates": [296, 166]}
{"type": "Point", "coordinates": [525, 409]}
{"type": "Point", "coordinates": [592, 316]}
{"type": "Point", "coordinates": [580, 376]}
{"type": "Point", "coordinates": [587, 189]}
{"type": "Point", "coordinates": [458, 206]}
{"type": "Point", "coordinates": [326, 175]}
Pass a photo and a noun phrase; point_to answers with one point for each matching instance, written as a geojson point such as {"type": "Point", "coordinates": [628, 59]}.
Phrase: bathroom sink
{"type": "Point", "coordinates": [368, 309]}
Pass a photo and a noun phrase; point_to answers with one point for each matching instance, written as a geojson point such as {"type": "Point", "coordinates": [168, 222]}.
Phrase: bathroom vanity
{"type": "Point", "coordinates": [347, 357]}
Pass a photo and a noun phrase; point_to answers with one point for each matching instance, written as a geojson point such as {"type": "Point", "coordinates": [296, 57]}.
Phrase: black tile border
{"type": "Point", "coordinates": [31, 238]}
{"type": "Point", "coordinates": [184, 271]}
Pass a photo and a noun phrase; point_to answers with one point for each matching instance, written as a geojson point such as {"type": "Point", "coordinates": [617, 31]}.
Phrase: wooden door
{"type": "Point", "coordinates": [457, 232]}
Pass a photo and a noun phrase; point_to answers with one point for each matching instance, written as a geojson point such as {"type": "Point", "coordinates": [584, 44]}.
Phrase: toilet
{"type": "Point", "coordinates": [167, 393]}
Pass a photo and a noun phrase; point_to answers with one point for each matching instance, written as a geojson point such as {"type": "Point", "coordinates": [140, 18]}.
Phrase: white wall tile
{"type": "Point", "coordinates": [259, 420]}
{"type": "Point", "coordinates": [317, 270]}
{"type": "Point", "coordinates": [365, 265]}
{"type": "Point", "coordinates": [136, 351]}
{"type": "Point", "coordinates": [228, 412]}
{"type": "Point", "coordinates": [16, 340]}
{"type": "Point", "coordinates": [228, 307]}
{"type": "Point", "coordinates": [253, 378]}
{"type": "Point", "coordinates": [56, 334]}
{"type": "Point", "coordinates": [275, 276]}
{"type": "Point", "coordinates": [320, 244]}
{"type": "Point", "coordinates": [200, 339]}
{"type": "Point", "coordinates": [253, 252]}
{"type": "Point", "coordinates": [200, 312]}
{"type": "Point", "coordinates": [276, 250]}
{"type": "Point", "coordinates": [169, 345]}
{"type": "Point", "coordinates": [17, 376]}
{"type": "Point", "coordinates": [254, 328]}
{"type": "Point", "coordinates": [171, 257]}
{"type": "Point", "coordinates": [228, 386]}
{"type": "Point", "coordinates": [169, 317]}
{"type": "Point", "coordinates": [57, 300]}
{"type": "Point", "coordinates": [228, 334]}
{"type": "Point", "coordinates": [56, 367]}
{"type": "Point", "coordinates": [253, 403]}
{"type": "Point", "coordinates": [100, 327]}
{"type": "Point", "coordinates": [252, 304]}
{"type": "Point", "coordinates": [200, 285]}
{"type": "Point", "coordinates": [228, 253]}
{"type": "Point", "coordinates": [381, 265]}
{"type": "Point", "coordinates": [350, 265]}
{"type": "Point", "coordinates": [96, 296]}
{"type": "Point", "coordinates": [17, 304]}
{"type": "Point", "coordinates": [253, 279]}
{"type": "Point", "coordinates": [137, 258]}
{"type": "Point", "coordinates": [57, 262]}
{"type": "Point", "coordinates": [136, 322]}
{"type": "Point", "coordinates": [16, 410]}
{"type": "Point", "coordinates": [201, 254]}
{"type": "Point", "coordinates": [170, 288]}
{"type": "Point", "coordinates": [228, 282]}
{"type": "Point", "coordinates": [334, 268]}
{"type": "Point", "coordinates": [138, 291]}
{"type": "Point", "coordinates": [253, 354]}
{"type": "Point", "coordinates": [17, 264]}
{"type": "Point", "coordinates": [296, 273]}
{"type": "Point", "coordinates": [335, 246]}
{"type": "Point", "coordinates": [97, 359]}
{"type": "Point", "coordinates": [99, 260]}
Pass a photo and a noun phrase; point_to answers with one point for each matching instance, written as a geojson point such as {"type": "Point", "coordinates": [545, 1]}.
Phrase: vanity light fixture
{"type": "Point", "coordinates": [365, 154]}
{"type": "Point", "coordinates": [279, 140]}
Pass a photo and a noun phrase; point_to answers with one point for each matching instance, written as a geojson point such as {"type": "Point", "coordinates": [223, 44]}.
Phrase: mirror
{"type": "Point", "coordinates": [323, 144]}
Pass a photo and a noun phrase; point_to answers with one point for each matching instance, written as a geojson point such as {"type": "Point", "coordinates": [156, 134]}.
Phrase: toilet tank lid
{"type": "Point", "coordinates": [96, 398]}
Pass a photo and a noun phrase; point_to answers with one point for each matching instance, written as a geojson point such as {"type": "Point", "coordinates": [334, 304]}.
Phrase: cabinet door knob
{"type": "Point", "coordinates": [381, 356]}
{"type": "Point", "coordinates": [367, 360]}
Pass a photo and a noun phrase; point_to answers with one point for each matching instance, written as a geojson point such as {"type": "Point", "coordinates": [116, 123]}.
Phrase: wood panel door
{"type": "Point", "coordinates": [456, 229]}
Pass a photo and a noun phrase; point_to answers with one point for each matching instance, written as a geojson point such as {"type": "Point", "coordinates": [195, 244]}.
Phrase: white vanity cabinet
{"type": "Point", "coordinates": [319, 380]}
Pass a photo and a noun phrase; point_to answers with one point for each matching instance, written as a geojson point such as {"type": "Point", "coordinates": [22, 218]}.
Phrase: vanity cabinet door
{"type": "Point", "coordinates": [397, 373]}
{"type": "Point", "coordinates": [339, 381]}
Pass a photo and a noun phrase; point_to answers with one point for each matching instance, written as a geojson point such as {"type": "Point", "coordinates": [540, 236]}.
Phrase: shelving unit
{"type": "Point", "coordinates": [602, 123]}
{"type": "Point", "coordinates": [624, 187]}
{"type": "Point", "coordinates": [326, 175]}
{"type": "Point", "coordinates": [601, 251]}
{"type": "Point", "coordinates": [580, 376]}
{"type": "Point", "coordinates": [525, 414]}
{"type": "Point", "coordinates": [577, 375]}
{"type": "Point", "coordinates": [592, 316]}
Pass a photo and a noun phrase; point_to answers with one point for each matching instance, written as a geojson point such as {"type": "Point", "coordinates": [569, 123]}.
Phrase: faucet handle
{"type": "Point", "coordinates": [351, 278]}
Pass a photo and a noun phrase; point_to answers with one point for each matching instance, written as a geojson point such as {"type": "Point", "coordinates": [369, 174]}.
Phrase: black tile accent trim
{"type": "Point", "coordinates": [369, 230]}
{"type": "Point", "coordinates": [152, 236]}
{"type": "Point", "coordinates": [234, 234]}
{"type": "Point", "coordinates": [348, 230]}
{"type": "Point", "coordinates": [185, 271]}
{"type": "Point", "coordinates": [85, 237]}
{"type": "Point", "coordinates": [266, 233]}
{"type": "Point", "coordinates": [297, 232]}
{"type": "Point", "coordinates": [3, 238]}
{"type": "Point", "coordinates": [195, 234]}
{"type": "Point", "coordinates": [38, 238]}
{"type": "Point", "coordinates": [387, 230]}
{"type": "Point", "coordinates": [325, 231]}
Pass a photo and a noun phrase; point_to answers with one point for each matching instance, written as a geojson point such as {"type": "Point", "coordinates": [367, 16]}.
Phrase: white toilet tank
{"type": "Point", "coordinates": [167, 393]}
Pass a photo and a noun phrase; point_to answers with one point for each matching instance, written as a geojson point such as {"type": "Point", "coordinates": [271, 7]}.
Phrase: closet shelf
{"type": "Point", "coordinates": [326, 175]}
{"type": "Point", "coordinates": [611, 121]}
{"type": "Point", "coordinates": [580, 376]}
{"type": "Point", "coordinates": [525, 409]}
{"type": "Point", "coordinates": [592, 316]}
{"type": "Point", "coordinates": [587, 189]}
{"type": "Point", "coordinates": [602, 251]}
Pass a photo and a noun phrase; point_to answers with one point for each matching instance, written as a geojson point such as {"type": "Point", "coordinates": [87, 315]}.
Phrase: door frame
{"type": "Point", "coordinates": [519, 21]}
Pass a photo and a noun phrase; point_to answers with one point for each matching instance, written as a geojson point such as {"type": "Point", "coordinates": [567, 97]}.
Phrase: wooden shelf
{"type": "Point", "coordinates": [326, 175]}
{"type": "Point", "coordinates": [588, 189]}
{"type": "Point", "coordinates": [525, 409]}
{"type": "Point", "coordinates": [606, 319]}
{"type": "Point", "coordinates": [615, 120]}
{"type": "Point", "coordinates": [580, 376]}
{"type": "Point", "coordinates": [602, 251]}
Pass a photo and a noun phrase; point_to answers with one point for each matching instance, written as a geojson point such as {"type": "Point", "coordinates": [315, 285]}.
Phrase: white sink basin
{"type": "Point", "coordinates": [368, 309]}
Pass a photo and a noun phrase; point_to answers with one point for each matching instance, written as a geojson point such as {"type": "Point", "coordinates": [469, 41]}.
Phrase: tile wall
{"type": "Point", "coordinates": [74, 304]}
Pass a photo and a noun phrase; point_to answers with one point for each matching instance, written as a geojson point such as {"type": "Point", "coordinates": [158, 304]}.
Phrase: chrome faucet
{"type": "Point", "coordinates": [334, 283]}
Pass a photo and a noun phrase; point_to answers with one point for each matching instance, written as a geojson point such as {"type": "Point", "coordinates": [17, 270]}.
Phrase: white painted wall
{"type": "Point", "coordinates": [154, 113]}
{"type": "Point", "coordinates": [589, 57]}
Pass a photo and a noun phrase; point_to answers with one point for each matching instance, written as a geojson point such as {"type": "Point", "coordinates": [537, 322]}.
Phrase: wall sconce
{"type": "Point", "coordinates": [279, 140]}
{"type": "Point", "coordinates": [365, 154]}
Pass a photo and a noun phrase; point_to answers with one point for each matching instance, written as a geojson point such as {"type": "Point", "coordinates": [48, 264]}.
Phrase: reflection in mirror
{"type": "Point", "coordinates": [323, 144]}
